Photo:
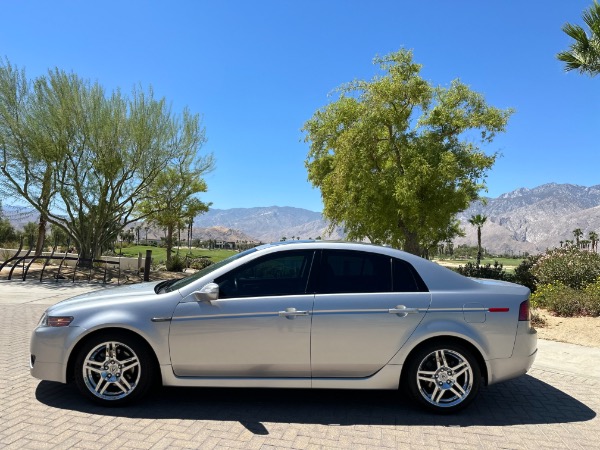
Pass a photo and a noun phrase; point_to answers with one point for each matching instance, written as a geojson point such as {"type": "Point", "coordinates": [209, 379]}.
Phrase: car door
{"type": "Point", "coordinates": [259, 326]}
{"type": "Point", "coordinates": [366, 307]}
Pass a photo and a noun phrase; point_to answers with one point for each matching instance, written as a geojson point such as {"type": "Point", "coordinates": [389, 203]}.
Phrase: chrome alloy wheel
{"type": "Point", "coordinates": [444, 378]}
{"type": "Point", "coordinates": [111, 370]}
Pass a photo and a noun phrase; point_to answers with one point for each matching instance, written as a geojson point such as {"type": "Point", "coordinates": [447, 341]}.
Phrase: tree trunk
{"type": "Point", "coordinates": [39, 246]}
{"type": "Point", "coordinates": [169, 243]}
{"type": "Point", "coordinates": [411, 243]}
{"type": "Point", "coordinates": [478, 245]}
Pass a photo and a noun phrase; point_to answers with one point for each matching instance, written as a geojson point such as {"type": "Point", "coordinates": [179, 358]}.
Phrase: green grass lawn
{"type": "Point", "coordinates": [509, 264]}
{"type": "Point", "coordinates": [160, 254]}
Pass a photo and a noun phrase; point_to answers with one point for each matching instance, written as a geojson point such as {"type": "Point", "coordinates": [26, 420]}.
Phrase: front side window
{"type": "Point", "coordinates": [353, 271]}
{"type": "Point", "coordinates": [282, 273]}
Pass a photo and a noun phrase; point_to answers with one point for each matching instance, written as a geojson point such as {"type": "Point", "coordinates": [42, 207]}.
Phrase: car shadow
{"type": "Point", "coordinates": [525, 400]}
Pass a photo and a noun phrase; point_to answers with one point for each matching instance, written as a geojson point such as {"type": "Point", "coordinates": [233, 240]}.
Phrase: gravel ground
{"type": "Point", "coordinates": [574, 330]}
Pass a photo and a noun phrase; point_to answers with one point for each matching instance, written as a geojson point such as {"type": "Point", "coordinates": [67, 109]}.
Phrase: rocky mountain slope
{"type": "Point", "coordinates": [532, 220]}
{"type": "Point", "coordinates": [524, 220]}
{"type": "Point", "coordinates": [268, 224]}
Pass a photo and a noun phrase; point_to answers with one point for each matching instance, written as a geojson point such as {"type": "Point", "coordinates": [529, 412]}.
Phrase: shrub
{"type": "Point", "coordinates": [523, 274]}
{"type": "Point", "coordinates": [592, 299]}
{"type": "Point", "coordinates": [560, 299]}
{"type": "Point", "coordinates": [493, 272]}
{"type": "Point", "coordinates": [199, 263]}
{"type": "Point", "coordinates": [570, 266]}
{"type": "Point", "coordinates": [567, 302]}
{"type": "Point", "coordinates": [177, 264]}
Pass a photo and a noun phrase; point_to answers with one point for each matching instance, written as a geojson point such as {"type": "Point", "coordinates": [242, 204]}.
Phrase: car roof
{"type": "Point", "coordinates": [434, 275]}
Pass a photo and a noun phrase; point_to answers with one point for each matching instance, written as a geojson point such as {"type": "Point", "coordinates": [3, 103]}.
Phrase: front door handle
{"type": "Point", "coordinates": [290, 313]}
{"type": "Point", "coordinates": [403, 311]}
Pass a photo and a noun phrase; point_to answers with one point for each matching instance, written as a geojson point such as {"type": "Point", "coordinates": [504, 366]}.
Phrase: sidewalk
{"type": "Point", "coordinates": [554, 356]}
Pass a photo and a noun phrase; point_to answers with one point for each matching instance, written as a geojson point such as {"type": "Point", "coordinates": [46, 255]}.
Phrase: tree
{"type": "Point", "coordinates": [171, 197]}
{"type": "Point", "coordinates": [21, 150]}
{"type": "Point", "coordinates": [192, 209]}
{"type": "Point", "coordinates": [584, 52]}
{"type": "Point", "coordinates": [84, 158]}
{"type": "Point", "coordinates": [7, 231]}
{"type": "Point", "coordinates": [30, 231]}
{"type": "Point", "coordinates": [478, 221]}
{"type": "Point", "coordinates": [396, 158]}
{"type": "Point", "coordinates": [593, 237]}
{"type": "Point", "coordinates": [577, 233]}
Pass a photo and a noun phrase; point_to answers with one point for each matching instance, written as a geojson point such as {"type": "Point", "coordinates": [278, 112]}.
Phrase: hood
{"type": "Point", "coordinates": [109, 294]}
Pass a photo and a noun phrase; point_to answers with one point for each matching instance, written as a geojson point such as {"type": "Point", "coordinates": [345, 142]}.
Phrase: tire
{"type": "Point", "coordinates": [443, 378]}
{"type": "Point", "coordinates": [114, 369]}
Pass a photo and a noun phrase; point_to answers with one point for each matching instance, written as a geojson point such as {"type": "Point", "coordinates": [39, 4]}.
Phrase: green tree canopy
{"type": "Point", "coordinates": [171, 199]}
{"type": "Point", "coordinates": [584, 52]}
{"type": "Point", "coordinates": [84, 158]}
{"type": "Point", "coordinates": [396, 158]}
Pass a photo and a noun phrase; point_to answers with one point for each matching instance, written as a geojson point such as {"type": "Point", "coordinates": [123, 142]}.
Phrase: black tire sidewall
{"type": "Point", "coordinates": [139, 347]}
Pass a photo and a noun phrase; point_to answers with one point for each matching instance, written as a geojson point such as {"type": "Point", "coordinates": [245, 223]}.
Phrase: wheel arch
{"type": "Point", "coordinates": [108, 331]}
{"type": "Point", "coordinates": [444, 340]}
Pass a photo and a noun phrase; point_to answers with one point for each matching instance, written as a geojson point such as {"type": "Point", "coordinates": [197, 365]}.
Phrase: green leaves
{"type": "Point", "coordinates": [85, 157]}
{"type": "Point", "coordinates": [395, 157]}
{"type": "Point", "coordinates": [584, 52]}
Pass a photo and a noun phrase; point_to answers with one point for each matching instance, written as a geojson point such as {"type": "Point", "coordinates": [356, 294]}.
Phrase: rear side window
{"type": "Point", "coordinates": [405, 278]}
{"type": "Point", "coordinates": [354, 271]}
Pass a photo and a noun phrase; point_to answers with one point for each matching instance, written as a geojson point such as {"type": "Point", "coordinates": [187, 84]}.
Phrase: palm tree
{"type": "Point", "coordinates": [593, 237]}
{"type": "Point", "coordinates": [578, 234]}
{"type": "Point", "coordinates": [584, 52]}
{"type": "Point", "coordinates": [478, 221]}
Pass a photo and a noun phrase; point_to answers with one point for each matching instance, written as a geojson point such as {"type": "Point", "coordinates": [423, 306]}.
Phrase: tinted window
{"type": "Point", "coordinates": [405, 278]}
{"type": "Point", "coordinates": [187, 280]}
{"type": "Point", "coordinates": [282, 273]}
{"type": "Point", "coordinates": [353, 271]}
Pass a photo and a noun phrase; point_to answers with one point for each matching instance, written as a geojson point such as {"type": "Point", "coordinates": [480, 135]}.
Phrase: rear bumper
{"type": "Point", "coordinates": [523, 356]}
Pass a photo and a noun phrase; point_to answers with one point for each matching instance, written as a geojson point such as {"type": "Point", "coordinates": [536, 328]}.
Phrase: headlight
{"type": "Point", "coordinates": [59, 321]}
{"type": "Point", "coordinates": [55, 321]}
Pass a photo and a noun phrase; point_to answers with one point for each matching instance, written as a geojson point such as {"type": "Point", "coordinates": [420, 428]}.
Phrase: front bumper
{"type": "Point", "coordinates": [50, 348]}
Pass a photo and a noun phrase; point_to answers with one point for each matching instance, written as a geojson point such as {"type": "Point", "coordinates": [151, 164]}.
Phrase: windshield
{"type": "Point", "coordinates": [187, 280]}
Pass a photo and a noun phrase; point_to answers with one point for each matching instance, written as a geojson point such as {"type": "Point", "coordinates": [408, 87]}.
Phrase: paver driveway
{"type": "Point", "coordinates": [544, 409]}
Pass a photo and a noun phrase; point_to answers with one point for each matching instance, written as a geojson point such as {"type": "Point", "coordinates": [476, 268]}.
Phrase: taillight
{"type": "Point", "coordinates": [524, 313]}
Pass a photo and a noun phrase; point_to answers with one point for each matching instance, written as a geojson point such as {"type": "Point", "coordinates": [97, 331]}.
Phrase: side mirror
{"type": "Point", "coordinates": [208, 293]}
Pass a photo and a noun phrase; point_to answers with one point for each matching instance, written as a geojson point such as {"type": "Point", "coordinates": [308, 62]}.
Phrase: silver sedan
{"type": "Point", "coordinates": [294, 315]}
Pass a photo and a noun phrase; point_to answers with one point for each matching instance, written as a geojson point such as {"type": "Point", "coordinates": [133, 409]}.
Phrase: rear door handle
{"type": "Point", "coordinates": [403, 311]}
{"type": "Point", "coordinates": [290, 313]}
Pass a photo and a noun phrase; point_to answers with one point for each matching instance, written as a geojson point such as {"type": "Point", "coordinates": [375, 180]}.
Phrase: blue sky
{"type": "Point", "coordinates": [258, 70]}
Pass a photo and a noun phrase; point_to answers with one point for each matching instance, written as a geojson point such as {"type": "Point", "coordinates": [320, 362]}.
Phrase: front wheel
{"type": "Point", "coordinates": [114, 369]}
{"type": "Point", "coordinates": [443, 378]}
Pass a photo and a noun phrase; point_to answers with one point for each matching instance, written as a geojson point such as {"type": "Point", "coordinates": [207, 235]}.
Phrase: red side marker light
{"type": "Point", "coordinates": [498, 309]}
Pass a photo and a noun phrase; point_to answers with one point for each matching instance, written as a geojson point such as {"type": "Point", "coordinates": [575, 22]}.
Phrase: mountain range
{"type": "Point", "coordinates": [524, 220]}
{"type": "Point", "coordinates": [532, 220]}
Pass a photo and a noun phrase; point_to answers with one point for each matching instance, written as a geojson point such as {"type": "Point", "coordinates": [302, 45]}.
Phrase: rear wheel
{"type": "Point", "coordinates": [114, 369]}
{"type": "Point", "coordinates": [443, 378]}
